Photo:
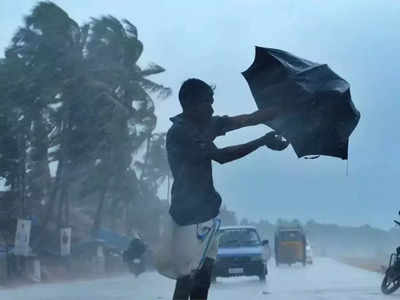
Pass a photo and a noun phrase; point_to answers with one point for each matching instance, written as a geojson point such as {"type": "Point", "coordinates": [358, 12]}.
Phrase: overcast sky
{"type": "Point", "coordinates": [214, 40]}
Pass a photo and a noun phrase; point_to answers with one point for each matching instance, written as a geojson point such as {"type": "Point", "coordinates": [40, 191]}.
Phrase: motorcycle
{"type": "Point", "coordinates": [137, 266]}
{"type": "Point", "coordinates": [391, 281]}
{"type": "Point", "coordinates": [134, 257]}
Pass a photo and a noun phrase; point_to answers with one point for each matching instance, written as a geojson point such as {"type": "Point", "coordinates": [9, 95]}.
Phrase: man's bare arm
{"type": "Point", "coordinates": [255, 118]}
{"type": "Point", "coordinates": [232, 153]}
{"type": "Point", "coordinates": [228, 154]}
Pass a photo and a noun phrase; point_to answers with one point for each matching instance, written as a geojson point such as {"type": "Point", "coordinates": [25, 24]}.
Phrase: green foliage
{"type": "Point", "coordinates": [75, 95]}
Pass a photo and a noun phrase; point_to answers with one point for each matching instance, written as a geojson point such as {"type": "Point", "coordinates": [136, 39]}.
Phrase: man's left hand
{"type": "Point", "coordinates": [275, 141]}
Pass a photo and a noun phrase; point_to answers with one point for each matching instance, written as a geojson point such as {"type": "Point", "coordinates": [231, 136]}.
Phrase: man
{"type": "Point", "coordinates": [194, 200]}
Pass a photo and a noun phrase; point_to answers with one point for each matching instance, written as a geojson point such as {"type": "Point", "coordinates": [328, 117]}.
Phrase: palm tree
{"type": "Point", "coordinates": [155, 168]}
{"type": "Point", "coordinates": [154, 171]}
{"type": "Point", "coordinates": [113, 50]}
{"type": "Point", "coordinates": [49, 47]}
{"type": "Point", "coordinates": [76, 96]}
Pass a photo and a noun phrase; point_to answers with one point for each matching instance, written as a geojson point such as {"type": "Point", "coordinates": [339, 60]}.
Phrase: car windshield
{"type": "Point", "coordinates": [290, 236]}
{"type": "Point", "coordinates": [239, 238]}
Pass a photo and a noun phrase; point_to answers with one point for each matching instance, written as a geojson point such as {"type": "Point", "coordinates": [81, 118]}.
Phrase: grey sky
{"type": "Point", "coordinates": [214, 40]}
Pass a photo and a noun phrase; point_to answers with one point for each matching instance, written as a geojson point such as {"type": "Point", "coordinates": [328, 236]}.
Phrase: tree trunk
{"type": "Point", "coordinates": [65, 125]}
{"type": "Point", "coordinates": [128, 225]}
{"type": "Point", "coordinates": [99, 212]}
{"type": "Point", "coordinates": [21, 172]}
{"type": "Point", "coordinates": [39, 179]}
{"type": "Point", "coordinates": [60, 215]}
{"type": "Point", "coordinates": [54, 192]}
{"type": "Point", "coordinates": [67, 207]}
{"type": "Point", "coordinates": [62, 205]}
{"type": "Point", "coordinates": [114, 213]}
{"type": "Point", "coordinates": [51, 204]}
{"type": "Point", "coordinates": [146, 157]}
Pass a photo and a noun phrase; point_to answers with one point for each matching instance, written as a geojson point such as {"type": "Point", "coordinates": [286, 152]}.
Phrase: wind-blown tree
{"type": "Point", "coordinates": [49, 48]}
{"type": "Point", "coordinates": [8, 138]}
{"type": "Point", "coordinates": [75, 97]}
{"type": "Point", "coordinates": [23, 100]}
{"type": "Point", "coordinates": [113, 50]}
{"type": "Point", "coordinates": [154, 170]}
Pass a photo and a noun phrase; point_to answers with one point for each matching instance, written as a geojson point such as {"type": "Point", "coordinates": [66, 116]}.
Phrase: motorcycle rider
{"type": "Point", "coordinates": [133, 256]}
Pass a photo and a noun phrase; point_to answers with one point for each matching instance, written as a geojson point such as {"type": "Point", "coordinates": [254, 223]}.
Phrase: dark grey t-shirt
{"type": "Point", "coordinates": [193, 196]}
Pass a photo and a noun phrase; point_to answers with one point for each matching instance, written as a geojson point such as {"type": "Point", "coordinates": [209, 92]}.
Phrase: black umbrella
{"type": "Point", "coordinates": [321, 115]}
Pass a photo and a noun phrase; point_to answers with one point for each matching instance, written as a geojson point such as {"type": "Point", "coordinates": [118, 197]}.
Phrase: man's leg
{"type": "Point", "coordinates": [182, 288]}
{"type": "Point", "coordinates": [202, 281]}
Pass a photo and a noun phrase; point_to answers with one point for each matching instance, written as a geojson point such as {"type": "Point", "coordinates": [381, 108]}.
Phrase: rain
{"type": "Point", "coordinates": [209, 150]}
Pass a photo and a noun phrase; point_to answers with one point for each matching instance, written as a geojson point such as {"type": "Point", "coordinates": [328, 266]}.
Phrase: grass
{"type": "Point", "coordinates": [370, 264]}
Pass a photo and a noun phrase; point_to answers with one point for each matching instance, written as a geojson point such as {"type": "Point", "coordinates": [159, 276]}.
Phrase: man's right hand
{"type": "Point", "coordinates": [275, 141]}
{"type": "Point", "coordinates": [266, 114]}
{"type": "Point", "coordinates": [258, 117]}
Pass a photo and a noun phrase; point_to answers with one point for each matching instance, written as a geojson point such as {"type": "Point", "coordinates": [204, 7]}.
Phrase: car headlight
{"type": "Point", "coordinates": [257, 257]}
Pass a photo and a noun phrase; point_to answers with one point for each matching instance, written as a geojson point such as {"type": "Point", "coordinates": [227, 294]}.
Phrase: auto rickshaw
{"type": "Point", "coordinates": [290, 246]}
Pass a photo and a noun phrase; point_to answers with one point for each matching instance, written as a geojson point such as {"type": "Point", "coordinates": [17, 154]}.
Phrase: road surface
{"type": "Point", "coordinates": [325, 280]}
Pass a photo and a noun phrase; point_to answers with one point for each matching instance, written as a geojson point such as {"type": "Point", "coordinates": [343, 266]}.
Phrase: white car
{"type": "Point", "coordinates": [241, 252]}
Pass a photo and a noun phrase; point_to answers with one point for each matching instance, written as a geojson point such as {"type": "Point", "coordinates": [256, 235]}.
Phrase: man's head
{"type": "Point", "coordinates": [196, 98]}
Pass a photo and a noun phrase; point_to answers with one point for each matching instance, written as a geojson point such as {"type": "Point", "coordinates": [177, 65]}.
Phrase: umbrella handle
{"type": "Point", "coordinates": [312, 157]}
{"type": "Point", "coordinates": [280, 136]}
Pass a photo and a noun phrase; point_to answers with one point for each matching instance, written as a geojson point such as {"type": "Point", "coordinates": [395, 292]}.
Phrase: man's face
{"type": "Point", "coordinates": [203, 112]}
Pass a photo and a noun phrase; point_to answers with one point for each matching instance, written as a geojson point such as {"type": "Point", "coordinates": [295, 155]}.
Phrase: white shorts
{"type": "Point", "coordinates": [183, 249]}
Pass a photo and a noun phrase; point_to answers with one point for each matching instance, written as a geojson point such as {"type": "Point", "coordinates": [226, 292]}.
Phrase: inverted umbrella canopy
{"type": "Point", "coordinates": [322, 115]}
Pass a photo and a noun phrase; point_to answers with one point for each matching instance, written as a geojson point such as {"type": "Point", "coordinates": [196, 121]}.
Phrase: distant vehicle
{"type": "Point", "coordinates": [290, 246]}
{"type": "Point", "coordinates": [240, 253]}
{"type": "Point", "coordinates": [391, 280]}
{"type": "Point", "coordinates": [133, 256]}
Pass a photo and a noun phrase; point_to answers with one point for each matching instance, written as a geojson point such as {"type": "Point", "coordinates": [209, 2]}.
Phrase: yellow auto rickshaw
{"type": "Point", "coordinates": [290, 246]}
